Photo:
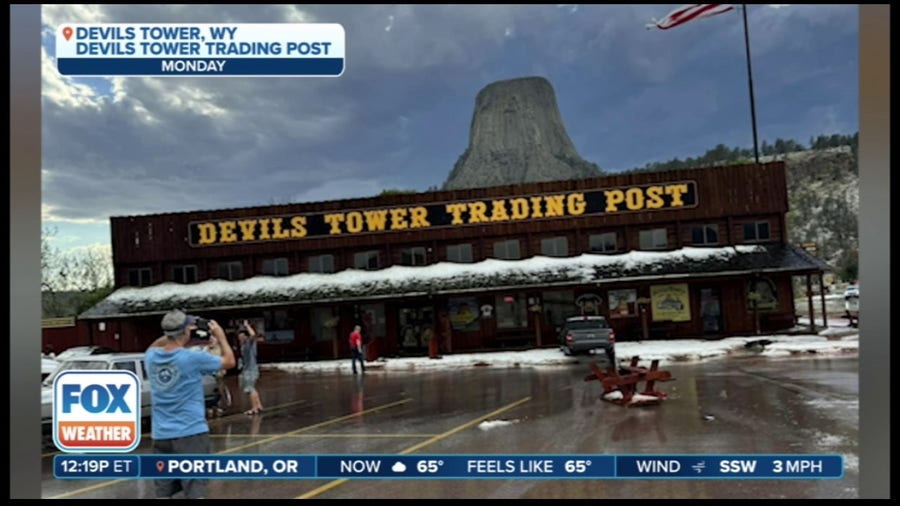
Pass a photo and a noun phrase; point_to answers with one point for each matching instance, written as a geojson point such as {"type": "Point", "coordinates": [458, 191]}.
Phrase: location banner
{"type": "Point", "coordinates": [200, 49]}
{"type": "Point", "coordinates": [448, 467]}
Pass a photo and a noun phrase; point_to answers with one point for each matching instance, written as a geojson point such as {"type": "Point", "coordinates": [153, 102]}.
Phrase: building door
{"type": "Point", "coordinates": [416, 326]}
{"type": "Point", "coordinates": [711, 311]}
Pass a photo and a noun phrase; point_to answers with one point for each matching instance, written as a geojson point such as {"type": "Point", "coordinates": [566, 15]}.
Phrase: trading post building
{"type": "Point", "coordinates": [699, 253]}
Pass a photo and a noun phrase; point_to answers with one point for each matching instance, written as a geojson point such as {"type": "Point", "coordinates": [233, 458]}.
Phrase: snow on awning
{"type": "Point", "coordinates": [449, 278]}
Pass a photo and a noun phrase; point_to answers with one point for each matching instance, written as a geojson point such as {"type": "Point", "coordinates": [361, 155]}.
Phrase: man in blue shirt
{"type": "Point", "coordinates": [177, 404]}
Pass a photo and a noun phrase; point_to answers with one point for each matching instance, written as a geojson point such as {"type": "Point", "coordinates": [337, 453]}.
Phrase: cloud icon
{"type": "Point", "coordinates": [398, 467]}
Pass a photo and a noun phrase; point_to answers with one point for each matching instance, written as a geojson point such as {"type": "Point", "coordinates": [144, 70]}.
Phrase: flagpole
{"type": "Point", "coordinates": [750, 83]}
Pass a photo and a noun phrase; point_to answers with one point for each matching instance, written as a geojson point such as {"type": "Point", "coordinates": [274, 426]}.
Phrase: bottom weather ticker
{"type": "Point", "coordinates": [583, 467]}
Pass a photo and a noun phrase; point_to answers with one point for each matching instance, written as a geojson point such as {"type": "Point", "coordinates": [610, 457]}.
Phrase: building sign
{"type": "Point", "coordinates": [622, 302]}
{"type": "Point", "coordinates": [54, 323]}
{"type": "Point", "coordinates": [655, 197]}
{"type": "Point", "coordinates": [670, 302]}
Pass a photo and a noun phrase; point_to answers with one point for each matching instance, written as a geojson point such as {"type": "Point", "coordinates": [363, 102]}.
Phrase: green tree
{"type": "Point", "coordinates": [73, 281]}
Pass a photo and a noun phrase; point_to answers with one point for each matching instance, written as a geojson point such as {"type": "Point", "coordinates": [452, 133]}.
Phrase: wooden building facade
{"type": "Point", "coordinates": [689, 253]}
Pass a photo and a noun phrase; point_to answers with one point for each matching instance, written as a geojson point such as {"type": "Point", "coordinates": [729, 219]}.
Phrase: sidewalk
{"type": "Point", "coordinates": [837, 340]}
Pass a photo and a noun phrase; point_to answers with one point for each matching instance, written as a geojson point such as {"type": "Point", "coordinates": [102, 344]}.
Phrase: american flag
{"type": "Point", "coordinates": [687, 13]}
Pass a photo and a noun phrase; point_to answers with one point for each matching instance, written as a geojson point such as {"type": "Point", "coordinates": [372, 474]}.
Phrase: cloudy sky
{"type": "Point", "coordinates": [399, 116]}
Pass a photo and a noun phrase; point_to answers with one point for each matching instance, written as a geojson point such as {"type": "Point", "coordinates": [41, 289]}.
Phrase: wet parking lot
{"type": "Point", "coordinates": [741, 406]}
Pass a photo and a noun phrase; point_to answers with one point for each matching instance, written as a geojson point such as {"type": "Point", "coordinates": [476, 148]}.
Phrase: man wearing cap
{"type": "Point", "coordinates": [176, 388]}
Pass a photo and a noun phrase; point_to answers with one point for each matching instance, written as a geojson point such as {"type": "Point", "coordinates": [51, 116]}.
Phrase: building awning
{"type": "Point", "coordinates": [456, 278]}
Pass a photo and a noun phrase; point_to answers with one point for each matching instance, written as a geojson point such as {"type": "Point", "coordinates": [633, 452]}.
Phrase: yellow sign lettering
{"type": "Point", "coordinates": [476, 212]}
{"type": "Point", "coordinates": [418, 217]}
{"type": "Point", "coordinates": [354, 222]}
{"type": "Point", "coordinates": [376, 220]}
{"type": "Point", "coordinates": [264, 228]}
{"type": "Point", "coordinates": [654, 197]}
{"type": "Point", "coordinates": [490, 210]}
{"type": "Point", "coordinates": [247, 229]}
{"type": "Point", "coordinates": [226, 232]}
{"type": "Point", "coordinates": [498, 211]}
{"type": "Point", "coordinates": [676, 191]}
{"type": "Point", "coordinates": [207, 233]}
{"type": "Point", "coordinates": [634, 199]}
{"type": "Point", "coordinates": [398, 219]}
{"type": "Point", "coordinates": [335, 221]}
{"type": "Point", "coordinates": [613, 199]}
{"type": "Point", "coordinates": [536, 207]}
{"type": "Point", "coordinates": [277, 232]}
{"type": "Point", "coordinates": [456, 210]}
{"type": "Point", "coordinates": [298, 224]}
{"type": "Point", "coordinates": [555, 205]}
{"type": "Point", "coordinates": [575, 204]}
{"type": "Point", "coordinates": [519, 208]}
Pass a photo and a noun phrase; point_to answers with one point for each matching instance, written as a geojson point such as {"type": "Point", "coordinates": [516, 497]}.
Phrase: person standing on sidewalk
{"type": "Point", "coordinates": [356, 349]}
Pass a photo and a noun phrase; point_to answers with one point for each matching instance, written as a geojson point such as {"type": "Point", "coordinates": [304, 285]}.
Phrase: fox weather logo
{"type": "Point", "coordinates": [96, 411]}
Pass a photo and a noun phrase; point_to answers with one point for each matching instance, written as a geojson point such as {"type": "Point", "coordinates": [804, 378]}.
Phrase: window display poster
{"type": "Point", "coordinates": [670, 302]}
{"type": "Point", "coordinates": [621, 302]}
{"type": "Point", "coordinates": [463, 313]}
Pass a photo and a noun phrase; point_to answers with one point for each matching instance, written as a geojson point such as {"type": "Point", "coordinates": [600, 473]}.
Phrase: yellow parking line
{"type": "Point", "coordinates": [423, 444]}
{"type": "Point", "coordinates": [256, 443]}
{"type": "Point", "coordinates": [315, 426]}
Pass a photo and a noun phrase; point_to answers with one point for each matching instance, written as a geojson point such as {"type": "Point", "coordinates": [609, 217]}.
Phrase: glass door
{"type": "Point", "coordinates": [711, 311]}
{"type": "Point", "coordinates": [415, 325]}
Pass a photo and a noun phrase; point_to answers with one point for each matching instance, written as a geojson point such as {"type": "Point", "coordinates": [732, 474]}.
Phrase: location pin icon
{"type": "Point", "coordinates": [67, 32]}
{"type": "Point", "coordinates": [159, 463]}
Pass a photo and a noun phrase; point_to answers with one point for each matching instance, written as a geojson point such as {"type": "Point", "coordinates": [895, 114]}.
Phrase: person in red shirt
{"type": "Point", "coordinates": [356, 352]}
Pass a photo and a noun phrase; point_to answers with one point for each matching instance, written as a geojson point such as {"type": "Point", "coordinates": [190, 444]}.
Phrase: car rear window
{"type": "Point", "coordinates": [586, 324]}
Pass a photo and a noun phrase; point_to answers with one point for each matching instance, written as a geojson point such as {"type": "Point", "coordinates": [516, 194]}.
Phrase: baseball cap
{"type": "Point", "coordinates": [174, 322]}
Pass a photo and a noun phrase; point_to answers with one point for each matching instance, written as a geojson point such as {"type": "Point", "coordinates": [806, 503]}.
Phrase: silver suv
{"type": "Point", "coordinates": [133, 362]}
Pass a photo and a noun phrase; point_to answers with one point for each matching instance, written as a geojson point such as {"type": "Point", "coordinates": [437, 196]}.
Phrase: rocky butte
{"type": "Point", "coordinates": [518, 136]}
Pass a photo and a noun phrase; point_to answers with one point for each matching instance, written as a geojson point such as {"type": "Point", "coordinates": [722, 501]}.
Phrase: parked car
{"type": "Point", "coordinates": [78, 351]}
{"type": "Point", "coordinates": [581, 334]}
{"type": "Point", "coordinates": [48, 365]}
{"type": "Point", "coordinates": [851, 291]}
{"type": "Point", "coordinates": [133, 362]}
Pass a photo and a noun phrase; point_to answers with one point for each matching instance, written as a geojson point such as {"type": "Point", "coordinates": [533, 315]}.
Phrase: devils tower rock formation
{"type": "Point", "coordinates": [518, 136]}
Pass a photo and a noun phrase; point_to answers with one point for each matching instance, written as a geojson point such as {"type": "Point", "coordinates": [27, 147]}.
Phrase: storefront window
{"type": "Point", "coordinates": [558, 306]}
{"type": "Point", "coordinates": [279, 326]}
{"type": "Point", "coordinates": [323, 324]}
{"type": "Point", "coordinates": [415, 323]}
{"type": "Point", "coordinates": [511, 312]}
{"type": "Point", "coordinates": [373, 322]}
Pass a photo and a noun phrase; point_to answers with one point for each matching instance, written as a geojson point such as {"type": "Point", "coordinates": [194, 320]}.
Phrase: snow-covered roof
{"type": "Point", "coordinates": [451, 278]}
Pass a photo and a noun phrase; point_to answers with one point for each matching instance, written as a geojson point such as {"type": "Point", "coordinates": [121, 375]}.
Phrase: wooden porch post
{"type": "Point", "coordinates": [809, 300]}
{"type": "Point", "coordinates": [642, 303]}
{"type": "Point", "coordinates": [822, 294]}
